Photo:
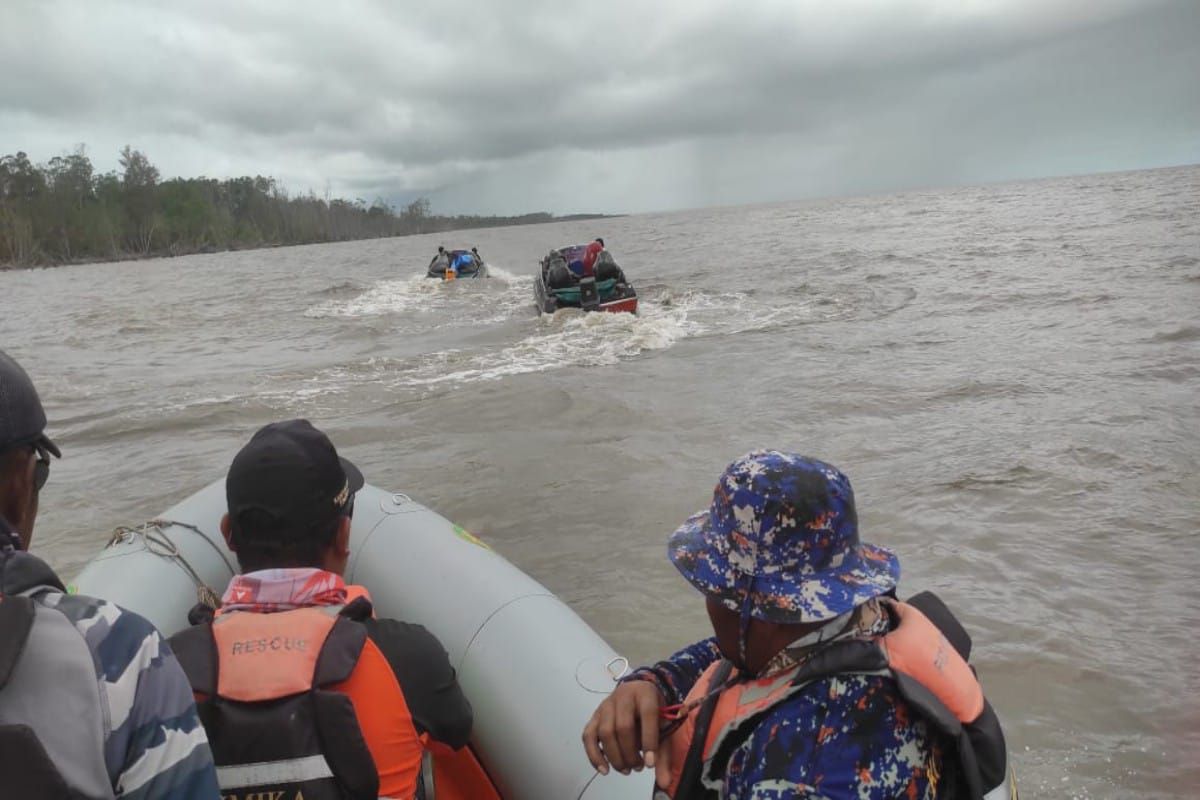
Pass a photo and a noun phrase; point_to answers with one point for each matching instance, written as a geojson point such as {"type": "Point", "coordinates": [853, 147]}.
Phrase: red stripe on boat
{"type": "Point", "coordinates": [628, 304]}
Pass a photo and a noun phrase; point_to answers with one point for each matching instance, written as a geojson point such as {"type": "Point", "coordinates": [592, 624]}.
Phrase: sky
{"type": "Point", "coordinates": [616, 106]}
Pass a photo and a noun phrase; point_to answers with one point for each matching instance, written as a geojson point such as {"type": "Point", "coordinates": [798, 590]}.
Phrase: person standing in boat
{"type": "Point", "coordinates": [590, 254]}
{"type": "Point", "coordinates": [818, 682]}
{"type": "Point", "coordinates": [301, 689]}
{"type": "Point", "coordinates": [92, 701]}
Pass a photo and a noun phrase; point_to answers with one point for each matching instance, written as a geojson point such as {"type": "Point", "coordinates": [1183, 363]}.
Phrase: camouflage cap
{"type": "Point", "coordinates": [782, 534]}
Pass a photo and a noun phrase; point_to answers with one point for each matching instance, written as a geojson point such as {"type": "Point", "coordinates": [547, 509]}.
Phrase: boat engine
{"type": "Point", "coordinates": [589, 295]}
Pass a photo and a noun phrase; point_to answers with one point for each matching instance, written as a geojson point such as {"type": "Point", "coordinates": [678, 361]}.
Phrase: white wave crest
{"type": "Point", "coordinates": [473, 301]}
{"type": "Point", "coordinates": [568, 338]}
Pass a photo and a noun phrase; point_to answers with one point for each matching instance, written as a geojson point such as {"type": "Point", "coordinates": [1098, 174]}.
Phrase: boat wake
{"type": "Point", "coordinates": [422, 303]}
{"type": "Point", "coordinates": [572, 338]}
{"type": "Point", "coordinates": [569, 338]}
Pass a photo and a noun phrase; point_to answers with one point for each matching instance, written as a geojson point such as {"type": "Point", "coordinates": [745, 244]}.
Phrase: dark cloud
{"type": "Point", "coordinates": [614, 106]}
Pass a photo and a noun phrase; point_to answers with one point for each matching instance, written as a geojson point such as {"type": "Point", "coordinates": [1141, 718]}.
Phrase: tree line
{"type": "Point", "coordinates": [63, 211]}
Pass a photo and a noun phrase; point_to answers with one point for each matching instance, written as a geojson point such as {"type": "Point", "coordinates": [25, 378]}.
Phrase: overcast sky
{"type": "Point", "coordinates": [621, 105]}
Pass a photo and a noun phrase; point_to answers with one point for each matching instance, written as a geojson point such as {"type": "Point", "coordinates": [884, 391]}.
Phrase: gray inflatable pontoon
{"type": "Point", "coordinates": [532, 669]}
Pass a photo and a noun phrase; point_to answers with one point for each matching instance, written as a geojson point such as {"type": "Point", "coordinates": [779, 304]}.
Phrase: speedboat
{"type": "Point", "coordinates": [459, 264]}
{"type": "Point", "coordinates": [532, 669]}
{"type": "Point", "coordinates": [562, 282]}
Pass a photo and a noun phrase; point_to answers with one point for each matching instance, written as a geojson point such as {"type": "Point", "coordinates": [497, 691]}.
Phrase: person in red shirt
{"type": "Point", "coordinates": [589, 257]}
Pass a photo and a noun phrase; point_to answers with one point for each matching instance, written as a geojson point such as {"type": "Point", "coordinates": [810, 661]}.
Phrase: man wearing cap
{"type": "Point", "coordinates": [303, 692]}
{"type": "Point", "coordinates": [818, 682]}
{"type": "Point", "coordinates": [92, 702]}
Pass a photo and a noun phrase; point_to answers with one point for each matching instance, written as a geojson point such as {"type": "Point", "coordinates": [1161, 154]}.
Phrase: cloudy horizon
{"type": "Point", "coordinates": [577, 107]}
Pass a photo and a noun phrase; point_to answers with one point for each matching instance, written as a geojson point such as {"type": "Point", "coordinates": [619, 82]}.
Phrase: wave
{"type": "Point", "coordinates": [973, 390]}
{"type": "Point", "coordinates": [571, 338]}
{"type": "Point", "coordinates": [341, 289]}
{"type": "Point", "coordinates": [499, 273]}
{"type": "Point", "coordinates": [477, 300]}
{"type": "Point", "coordinates": [1018, 475]}
{"type": "Point", "coordinates": [1188, 333]}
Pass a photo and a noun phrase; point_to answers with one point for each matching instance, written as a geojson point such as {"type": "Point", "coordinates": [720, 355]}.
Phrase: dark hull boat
{"type": "Point", "coordinates": [562, 282]}
{"type": "Point", "coordinates": [458, 264]}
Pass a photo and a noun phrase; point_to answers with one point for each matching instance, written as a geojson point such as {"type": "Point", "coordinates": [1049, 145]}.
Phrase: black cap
{"type": "Point", "coordinates": [22, 419]}
{"type": "Point", "coordinates": [290, 471]}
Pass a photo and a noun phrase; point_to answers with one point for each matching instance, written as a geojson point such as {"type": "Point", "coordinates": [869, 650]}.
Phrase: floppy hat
{"type": "Point", "coordinates": [781, 535]}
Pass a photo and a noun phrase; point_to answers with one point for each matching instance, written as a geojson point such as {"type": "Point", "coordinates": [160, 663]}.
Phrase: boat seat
{"type": "Point", "coordinates": [606, 288]}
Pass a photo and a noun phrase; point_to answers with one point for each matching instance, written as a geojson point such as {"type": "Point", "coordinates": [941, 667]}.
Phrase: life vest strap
{"type": "Point", "coordinates": [693, 765]}
{"type": "Point", "coordinates": [29, 770]}
{"type": "Point", "coordinates": [16, 621]}
{"type": "Point", "coordinates": [271, 773]}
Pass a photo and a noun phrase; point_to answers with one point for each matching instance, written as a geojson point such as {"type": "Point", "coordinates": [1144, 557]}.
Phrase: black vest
{"type": "Point", "coordinates": [306, 745]}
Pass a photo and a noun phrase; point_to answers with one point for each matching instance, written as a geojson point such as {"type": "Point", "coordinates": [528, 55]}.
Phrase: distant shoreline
{"type": "Point", "coordinates": [62, 213]}
{"type": "Point", "coordinates": [211, 250]}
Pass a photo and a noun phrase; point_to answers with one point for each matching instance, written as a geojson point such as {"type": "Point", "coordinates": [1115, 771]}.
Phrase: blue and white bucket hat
{"type": "Point", "coordinates": [781, 537]}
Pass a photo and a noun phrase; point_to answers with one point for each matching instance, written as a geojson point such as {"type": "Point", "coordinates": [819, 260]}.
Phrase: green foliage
{"type": "Point", "coordinates": [62, 212]}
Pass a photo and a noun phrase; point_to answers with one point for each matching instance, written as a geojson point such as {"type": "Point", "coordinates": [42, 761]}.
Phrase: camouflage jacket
{"type": "Point", "coordinates": [153, 745]}
{"type": "Point", "coordinates": [850, 737]}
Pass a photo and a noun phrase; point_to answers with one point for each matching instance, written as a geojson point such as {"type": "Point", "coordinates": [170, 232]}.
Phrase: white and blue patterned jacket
{"type": "Point", "coordinates": [103, 695]}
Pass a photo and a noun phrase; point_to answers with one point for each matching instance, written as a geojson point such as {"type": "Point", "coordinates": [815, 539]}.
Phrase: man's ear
{"type": "Point", "coordinates": [18, 498]}
{"type": "Point", "coordinates": [227, 532]}
{"type": "Point", "coordinates": [341, 542]}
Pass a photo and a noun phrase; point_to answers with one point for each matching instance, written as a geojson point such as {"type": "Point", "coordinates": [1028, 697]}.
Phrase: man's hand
{"type": "Point", "coordinates": [623, 731]}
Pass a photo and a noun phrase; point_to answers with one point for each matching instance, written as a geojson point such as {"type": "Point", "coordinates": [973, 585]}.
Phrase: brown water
{"type": "Point", "coordinates": [1009, 374]}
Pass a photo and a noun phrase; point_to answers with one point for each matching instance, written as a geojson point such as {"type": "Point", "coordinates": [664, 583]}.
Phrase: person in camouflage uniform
{"type": "Point", "coordinates": [93, 703]}
{"type": "Point", "coordinates": [787, 583]}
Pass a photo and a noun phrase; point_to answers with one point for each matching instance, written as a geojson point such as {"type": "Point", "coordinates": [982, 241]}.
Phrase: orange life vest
{"type": "Point", "coordinates": [932, 675]}
{"type": "Point", "coordinates": [301, 704]}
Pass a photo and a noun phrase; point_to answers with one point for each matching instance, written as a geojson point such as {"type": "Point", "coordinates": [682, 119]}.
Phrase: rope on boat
{"type": "Point", "coordinates": [153, 532]}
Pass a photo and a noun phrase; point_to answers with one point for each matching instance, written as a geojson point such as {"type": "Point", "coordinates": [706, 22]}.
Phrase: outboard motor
{"type": "Point", "coordinates": [589, 296]}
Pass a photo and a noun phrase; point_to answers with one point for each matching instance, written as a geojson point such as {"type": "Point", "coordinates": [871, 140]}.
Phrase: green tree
{"type": "Point", "coordinates": [140, 182]}
{"type": "Point", "coordinates": [22, 185]}
{"type": "Point", "coordinates": [69, 191]}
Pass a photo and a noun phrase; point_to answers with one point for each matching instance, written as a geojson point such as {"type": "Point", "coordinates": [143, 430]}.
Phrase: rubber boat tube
{"type": "Point", "coordinates": [532, 669]}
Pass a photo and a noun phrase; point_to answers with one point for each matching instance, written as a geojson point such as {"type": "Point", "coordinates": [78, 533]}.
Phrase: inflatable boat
{"type": "Point", "coordinates": [563, 282]}
{"type": "Point", "coordinates": [459, 264]}
{"type": "Point", "coordinates": [532, 669]}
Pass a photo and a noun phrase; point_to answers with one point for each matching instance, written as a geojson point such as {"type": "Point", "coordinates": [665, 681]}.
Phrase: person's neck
{"type": "Point", "coordinates": [287, 568]}
{"type": "Point", "coordinates": [798, 639]}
